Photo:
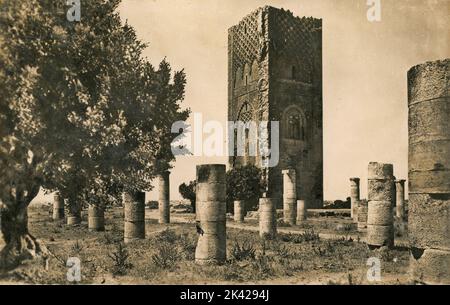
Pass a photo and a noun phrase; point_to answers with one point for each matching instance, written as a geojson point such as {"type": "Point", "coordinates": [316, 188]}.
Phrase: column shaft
{"type": "Point", "coordinates": [211, 214]}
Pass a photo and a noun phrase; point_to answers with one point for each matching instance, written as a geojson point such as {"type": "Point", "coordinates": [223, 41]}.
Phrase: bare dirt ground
{"type": "Point", "coordinates": [325, 250]}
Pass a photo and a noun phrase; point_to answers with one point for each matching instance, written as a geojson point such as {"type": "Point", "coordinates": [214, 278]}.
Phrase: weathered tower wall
{"type": "Point", "coordinates": [275, 73]}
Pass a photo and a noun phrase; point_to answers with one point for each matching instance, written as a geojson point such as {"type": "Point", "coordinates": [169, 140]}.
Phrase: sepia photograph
{"type": "Point", "coordinates": [225, 148]}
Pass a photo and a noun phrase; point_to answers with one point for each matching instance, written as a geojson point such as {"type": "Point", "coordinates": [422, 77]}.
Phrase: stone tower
{"type": "Point", "coordinates": [275, 74]}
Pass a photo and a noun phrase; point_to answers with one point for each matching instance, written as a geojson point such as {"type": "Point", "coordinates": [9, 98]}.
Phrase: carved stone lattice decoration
{"type": "Point", "coordinates": [246, 41]}
{"type": "Point", "coordinates": [246, 113]}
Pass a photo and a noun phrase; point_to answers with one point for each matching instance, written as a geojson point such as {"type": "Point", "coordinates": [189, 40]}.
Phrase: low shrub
{"type": "Point", "coordinates": [120, 260]}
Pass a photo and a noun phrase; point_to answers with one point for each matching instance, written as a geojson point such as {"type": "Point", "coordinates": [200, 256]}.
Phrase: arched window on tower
{"type": "Point", "coordinates": [294, 124]}
{"type": "Point", "coordinates": [246, 116]}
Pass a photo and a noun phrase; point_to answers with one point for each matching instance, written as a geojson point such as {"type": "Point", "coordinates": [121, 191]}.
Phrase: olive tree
{"type": "Point", "coordinates": [81, 111]}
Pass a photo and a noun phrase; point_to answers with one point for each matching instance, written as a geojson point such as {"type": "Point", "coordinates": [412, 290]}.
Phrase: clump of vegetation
{"type": "Point", "coordinates": [244, 183]}
{"type": "Point", "coordinates": [307, 236]}
{"type": "Point", "coordinates": [120, 258]}
{"type": "Point", "coordinates": [262, 266]}
{"type": "Point", "coordinates": [166, 256]}
{"type": "Point", "coordinates": [243, 251]}
{"type": "Point", "coordinates": [338, 204]}
{"type": "Point", "coordinates": [320, 250]}
{"type": "Point", "coordinates": [346, 227]}
{"type": "Point", "coordinates": [77, 247]}
{"type": "Point", "coordinates": [187, 191]}
{"type": "Point", "coordinates": [310, 235]}
{"type": "Point", "coordinates": [290, 238]}
{"type": "Point", "coordinates": [152, 204]}
{"type": "Point", "coordinates": [281, 223]}
{"type": "Point", "coordinates": [109, 239]}
{"type": "Point", "coordinates": [188, 245]}
{"type": "Point", "coordinates": [281, 250]}
{"type": "Point", "coordinates": [232, 273]}
{"type": "Point", "coordinates": [167, 236]}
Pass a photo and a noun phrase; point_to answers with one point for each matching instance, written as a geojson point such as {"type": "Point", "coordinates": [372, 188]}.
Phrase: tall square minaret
{"type": "Point", "coordinates": [275, 74]}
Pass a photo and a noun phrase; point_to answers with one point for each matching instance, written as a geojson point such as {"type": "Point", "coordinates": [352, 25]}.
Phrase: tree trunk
{"type": "Point", "coordinates": [20, 244]}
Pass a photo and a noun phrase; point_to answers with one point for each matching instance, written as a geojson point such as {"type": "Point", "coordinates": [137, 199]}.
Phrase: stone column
{"type": "Point", "coordinates": [96, 218]}
{"type": "Point", "coordinates": [58, 207]}
{"type": "Point", "coordinates": [73, 212]}
{"type": "Point", "coordinates": [400, 199]}
{"type": "Point", "coordinates": [267, 218]}
{"type": "Point", "coordinates": [354, 197]}
{"type": "Point", "coordinates": [301, 211]}
{"type": "Point", "coordinates": [134, 216]}
{"type": "Point", "coordinates": [381, 196]}
{"type": "Point", "coordinates": [429, 172]}
{"type": "Point", "coordinates": [362, 216]}
{"type": "Point", "coordinates": [211, 214]}
{"type": "Point", "coordinates": [164, 197]}
{"type": "Point", "coordinates": [289, 196]}
{"type": "Point", "coordinates": [239, 211]}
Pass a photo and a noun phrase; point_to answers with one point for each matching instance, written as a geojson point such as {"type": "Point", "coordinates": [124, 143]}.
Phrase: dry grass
{"type": "Point", "coordinates": [167, 256]}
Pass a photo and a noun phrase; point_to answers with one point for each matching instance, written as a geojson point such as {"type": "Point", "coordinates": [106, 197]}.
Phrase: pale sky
{"type": "Point", "coordinates": [364, 71]}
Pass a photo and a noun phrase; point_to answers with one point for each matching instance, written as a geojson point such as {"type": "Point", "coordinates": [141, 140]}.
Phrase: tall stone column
{"type": "Point", "coordinates": [134, 216]}
{"type": "Point", "coordinates": [73, 211]}
{"type": "Point", "coordinates": [400, 199]}
{"type": "Point", "coordinates": [239, 211]}
{"type": "Point", "coordinates": [211, 214]}
{"type": "Point", "coordinates": [381, 196]}
{"type": "Point", "coordinates": [354, 197]}
{"type": "Point", "coordinates": [58, 207]}
{"type": "Point", "coordinates": [289, 196]}
{"type": "Point", "coordinates": [267, 218]}
{"type": "Point", "coordinates": [96, 218]}
{"type": "Point", "coordinates": [301, 211]}
{"type": "Point", "coordinates": [164, 197]}
{"type": "Point", "coordinates": [429, 172]}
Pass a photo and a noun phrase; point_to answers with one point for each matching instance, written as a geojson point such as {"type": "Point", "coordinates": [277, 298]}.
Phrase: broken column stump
{"type": "Point", "coordinates": [429, 172]}
{"type": "Point", "coordinates": [267, 218]}
{"type": "Point", "coordinates": [96, 218]}
{"type": "Point", "coordinates": [381, 196]}
{"type": "Point", "coordinates": [134, 216]}
{"type": "Point", "coordinates": [211, 214]}
{"type": "Point", "coordinates": [239, 211]}
{"type": "Point", "coordinates": [301, 211]}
